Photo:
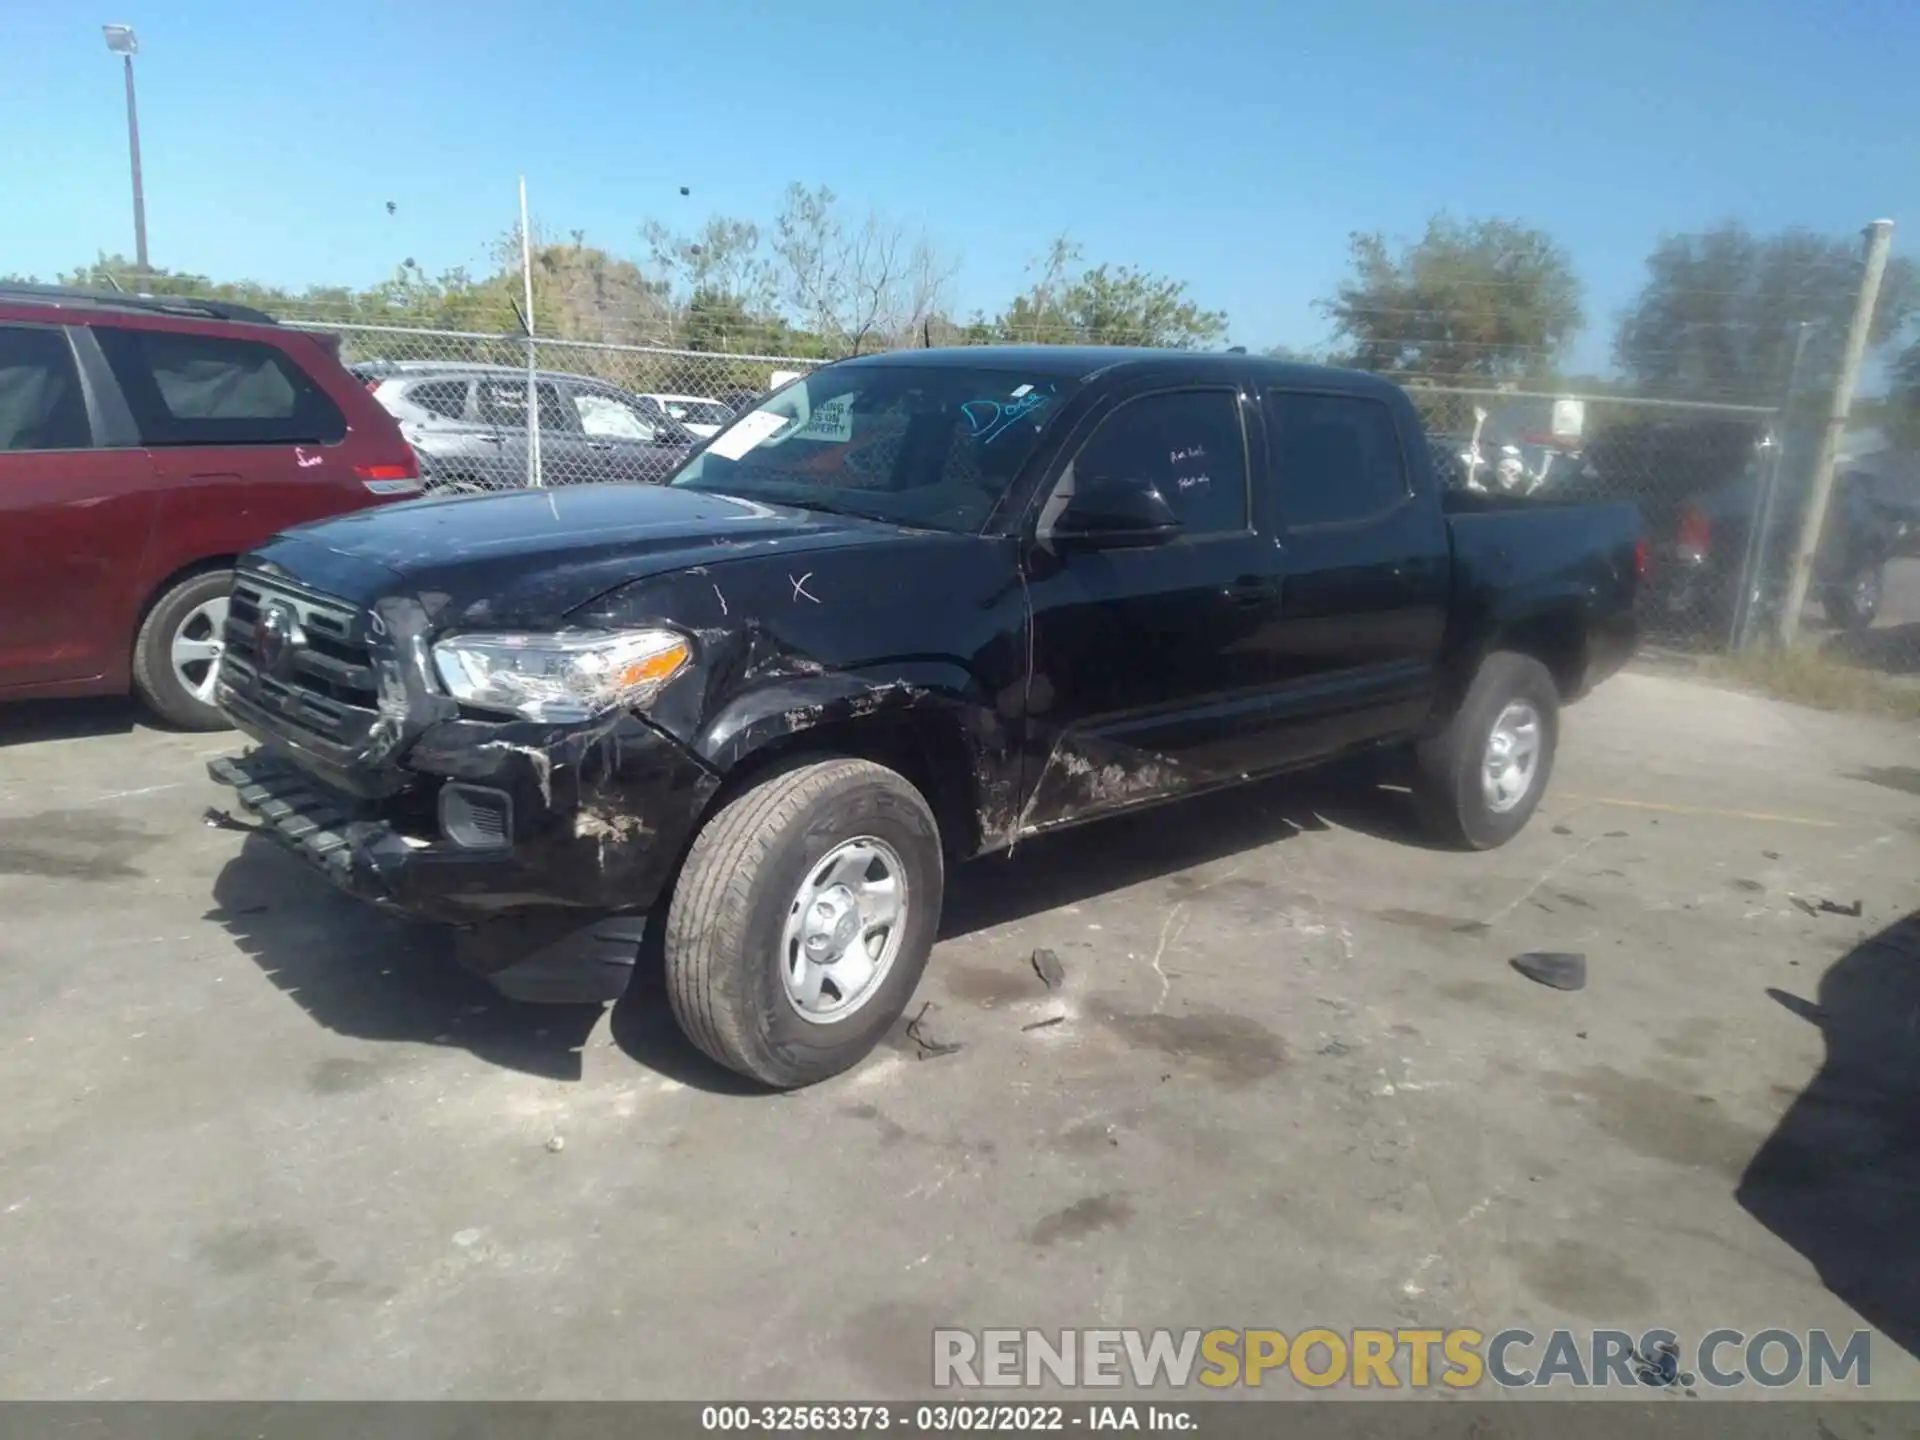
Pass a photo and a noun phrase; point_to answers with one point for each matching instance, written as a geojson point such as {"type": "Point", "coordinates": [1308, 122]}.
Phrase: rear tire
{"type": "Point", "coordinates": [1855, 604]}
{"type": "Point", "coordinates": [1479, 780]}
{"type": "Point", "coordinates": [176, 656]}
{"type": "Point", "coordinates": [785, 855]}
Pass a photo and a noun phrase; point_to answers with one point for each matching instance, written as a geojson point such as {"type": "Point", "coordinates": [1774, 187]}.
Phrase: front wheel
{"type": "Point", "coordinates": [176, 656]}
{"type": "Point", "coordinates": [1480, 779]}
{"type": "Point", "coordinates": [802, 920]}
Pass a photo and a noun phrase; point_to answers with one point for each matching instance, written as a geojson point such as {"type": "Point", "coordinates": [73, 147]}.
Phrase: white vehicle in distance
{"type": "Point", "coordinates": [702, 416]}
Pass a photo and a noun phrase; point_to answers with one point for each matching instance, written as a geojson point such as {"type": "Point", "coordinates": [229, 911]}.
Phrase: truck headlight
{"type": "Point", "coordinates": [565, 676]}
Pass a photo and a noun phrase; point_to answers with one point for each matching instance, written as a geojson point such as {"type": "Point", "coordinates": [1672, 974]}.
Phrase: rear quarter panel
{"type": "Point", "coordinates": [1532, 569]}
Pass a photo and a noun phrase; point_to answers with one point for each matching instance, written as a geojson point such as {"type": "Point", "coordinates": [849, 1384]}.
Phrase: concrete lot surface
{"type": "Point", "coordinates": [256, 1141]}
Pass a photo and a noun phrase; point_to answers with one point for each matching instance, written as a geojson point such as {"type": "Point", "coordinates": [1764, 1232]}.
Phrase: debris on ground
{"type": "Point", "coordinates": [1045, 1024]}
{"type": "Point", "coordinates": [557, 1144]}
{"type": "Point", "coordinates": [1047, 966]}
{"type": "Point", "coordinates": [1557, 969]}
{"type": "Point", "coordinates": [916, 1032]}
{"type": "Point", "coordinates": [1336, 1047]}
{"type": "Point", "coordinates": [1802, 904]}
{"type": "Point", "coordinates": [1852, 911]}
{"type": "Point", "coordinates": [220, 820]}
{"type": "Point", "coordinates": [1563, 829]}
{"type": "Point", "coordinates": [1771, 854]}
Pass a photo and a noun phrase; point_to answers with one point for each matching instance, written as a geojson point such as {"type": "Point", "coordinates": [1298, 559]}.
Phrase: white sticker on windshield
{"type": "Point", "coordinates": [832, 420]}
{"type": "Point", "coordinates": [1021, 391]}
{"type": "Point", "coordinates": [747, 433]}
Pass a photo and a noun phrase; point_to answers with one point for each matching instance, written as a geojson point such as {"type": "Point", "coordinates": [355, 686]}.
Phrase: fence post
{"type": "Point", "coordinates": [1879, 242]}
{"type": "Point", "coordinates": [535, 476]}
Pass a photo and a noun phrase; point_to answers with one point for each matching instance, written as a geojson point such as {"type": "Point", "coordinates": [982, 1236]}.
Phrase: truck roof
{"type": "Point", "coordinates": [1084, 362]}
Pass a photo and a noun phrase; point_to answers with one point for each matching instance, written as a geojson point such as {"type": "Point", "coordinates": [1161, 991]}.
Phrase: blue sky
{"type": "Point", "coordinates": [1233, 143]}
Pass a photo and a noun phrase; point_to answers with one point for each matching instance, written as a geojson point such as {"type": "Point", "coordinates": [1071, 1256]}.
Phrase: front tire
{"type": "Point", "coordinates": [802, 920]}
{"type": "Point", "coordinates": [1480, 779]}
{"type": "Point", "coordinates": [176, 656]}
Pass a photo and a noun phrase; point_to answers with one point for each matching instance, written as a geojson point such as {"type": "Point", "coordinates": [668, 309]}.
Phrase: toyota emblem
{"type": "Point", "coordinates": [280, 639]}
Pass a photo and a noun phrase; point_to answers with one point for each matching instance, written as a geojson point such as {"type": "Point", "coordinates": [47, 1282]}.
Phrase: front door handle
{"type": "Point", "coordinates": [599, 445]}
{"type": "Point", "coordinates": [1251, 591]}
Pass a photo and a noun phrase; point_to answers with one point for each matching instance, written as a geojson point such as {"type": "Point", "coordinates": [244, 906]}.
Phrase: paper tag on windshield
{"type": "Point", "coordinates": [1021, 391]}
{"type": "Point", "coordinates": [830, 421]}
{"type": "Point", "coordinates": [748, 432]}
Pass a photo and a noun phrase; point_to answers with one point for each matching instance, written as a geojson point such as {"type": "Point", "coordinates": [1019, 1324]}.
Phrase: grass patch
{"type": "Point", "coordinates": [1808, 677]}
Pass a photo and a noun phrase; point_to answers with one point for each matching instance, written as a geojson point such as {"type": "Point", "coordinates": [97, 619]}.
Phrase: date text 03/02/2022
{"type": "Point", "coordinates": [937, 1419]}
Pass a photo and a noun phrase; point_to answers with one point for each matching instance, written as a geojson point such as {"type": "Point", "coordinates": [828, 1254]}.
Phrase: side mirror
{"type": "Point", "coordinates": [1114, 514]}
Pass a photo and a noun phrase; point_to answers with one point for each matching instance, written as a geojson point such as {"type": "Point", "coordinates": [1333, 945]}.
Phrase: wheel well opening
{"type": "Point", "coordinates": [926, 749]}
{"type": "Point", "coordinates": [1557, 641]}
{"type": "Point", "coordinates": [184, 573]}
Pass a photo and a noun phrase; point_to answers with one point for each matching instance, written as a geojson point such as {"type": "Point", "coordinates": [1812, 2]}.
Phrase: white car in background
{"type": "Point", "coordinates": [702, 416]}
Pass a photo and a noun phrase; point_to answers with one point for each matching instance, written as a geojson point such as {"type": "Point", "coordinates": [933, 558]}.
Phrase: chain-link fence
{"type": "Point", "coordinates": [605, 412]}
{"type": "Point", "coordinates": [1722, 489]}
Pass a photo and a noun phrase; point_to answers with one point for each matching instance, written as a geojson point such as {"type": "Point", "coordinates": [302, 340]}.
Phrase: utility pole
{"type": "Point", "coordinates": [122, 41]}
{"type": "Point", "coordinates": [1879, 237]}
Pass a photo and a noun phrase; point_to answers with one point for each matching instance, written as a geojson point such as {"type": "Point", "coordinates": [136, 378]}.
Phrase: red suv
{"type": "Point", "coordinates": [144, 443]}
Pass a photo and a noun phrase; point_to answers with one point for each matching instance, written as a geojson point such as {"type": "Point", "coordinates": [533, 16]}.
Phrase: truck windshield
{"type": "Point", "coordinates": [933, 448]}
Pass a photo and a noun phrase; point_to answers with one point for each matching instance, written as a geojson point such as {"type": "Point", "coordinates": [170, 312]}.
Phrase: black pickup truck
{"type": "Point", "coordinates": [910, 609]}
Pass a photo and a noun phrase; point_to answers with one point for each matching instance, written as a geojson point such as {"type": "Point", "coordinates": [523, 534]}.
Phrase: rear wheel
{"type": "Point", "coordinates": [1480, 779]}
{"type": "Point", "coordinates": [176, 656]}
{"type": "Point", "coordinates": [1855, 603]}
{"type": "Point", "coordinates": [802, 920]}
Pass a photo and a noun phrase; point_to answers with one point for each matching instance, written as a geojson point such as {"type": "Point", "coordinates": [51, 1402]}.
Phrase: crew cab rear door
{"type": "Point", "coordinates": [1367, 570]}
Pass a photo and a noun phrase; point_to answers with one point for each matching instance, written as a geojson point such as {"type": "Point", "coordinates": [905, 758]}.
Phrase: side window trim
{"type": "Point", "coordinates": [1090, 429]}
{"type": "Point", "coordinates": [1282, 525]}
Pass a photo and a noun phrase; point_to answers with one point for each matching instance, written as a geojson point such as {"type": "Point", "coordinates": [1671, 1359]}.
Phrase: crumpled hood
{"type": "Point", "coordinates": [533, 556]}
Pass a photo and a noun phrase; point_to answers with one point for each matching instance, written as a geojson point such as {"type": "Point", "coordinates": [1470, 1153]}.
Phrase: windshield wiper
{"type": "Point", "coordinates": [825, 508]}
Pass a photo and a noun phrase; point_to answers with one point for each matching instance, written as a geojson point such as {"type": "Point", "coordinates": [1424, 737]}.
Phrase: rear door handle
{"type": "Point", "coordinates": [1251, 592]}
{"type": "Point", "coordinates": [492, 439]}
{"type": "Point", "coordinates": [599, 445]}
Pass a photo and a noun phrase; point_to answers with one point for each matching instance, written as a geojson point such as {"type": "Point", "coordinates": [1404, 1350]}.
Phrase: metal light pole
{"type": "Point", "coordinates": [1879, 239]}
{"type": "Point", "coordinates": [123, 42]}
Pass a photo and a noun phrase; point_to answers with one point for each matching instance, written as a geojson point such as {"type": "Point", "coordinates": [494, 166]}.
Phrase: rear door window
{"type": "Point", "coordinates": [187, 389]}
{"type": "Point", "coordinates": [41, 403]}
{"type": "Point", "coordinates": [1333, 458]}
{"type": "Point", "coordinates": [504, 402]}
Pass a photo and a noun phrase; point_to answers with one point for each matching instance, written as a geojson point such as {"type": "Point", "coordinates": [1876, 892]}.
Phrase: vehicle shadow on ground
{"type": "Point", "coordinates": [1107, 855]}
{"type": "Point", "coordinates": [375, 977]}
{"type": "Point", "coordinates": [1839, 1177]}
{"type": "Point", "coordinates": [1891, 649]}
{"type": "Point", "coordinates": [28, 722]}
{"type": "Point", "coordinates": [372, 977]}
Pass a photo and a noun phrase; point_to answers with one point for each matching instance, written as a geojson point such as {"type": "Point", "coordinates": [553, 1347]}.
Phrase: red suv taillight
{"type": "Point", "coordinates": [399, 478]}
{"type": "Point", "coordinates": [1695, 537]}
{"type": "Point", "coordinates": [1640, 558]}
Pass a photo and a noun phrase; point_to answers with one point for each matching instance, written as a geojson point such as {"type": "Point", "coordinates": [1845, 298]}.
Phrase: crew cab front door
{"type": "Point", "coordinates": [1153, 666]}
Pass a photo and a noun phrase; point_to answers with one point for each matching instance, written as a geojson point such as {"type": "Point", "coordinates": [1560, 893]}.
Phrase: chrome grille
{"type": "Point", "coordinates": [326, 685]}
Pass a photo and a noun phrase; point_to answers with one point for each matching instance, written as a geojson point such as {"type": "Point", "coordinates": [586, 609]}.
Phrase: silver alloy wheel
{"type": "Point", "coordinates": [843, 930]}
{"type": "Point", "coordinates": [197, 644]}
{"type": "Point", "coordinates": [1866, 593]}
{"type": "Point", "coordinates": [1512, 758]}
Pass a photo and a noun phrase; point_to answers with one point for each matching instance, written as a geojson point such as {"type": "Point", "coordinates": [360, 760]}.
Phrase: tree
{"type": "Point", "coordinates": [1106, 305]}
{"type": "Point", "coordinates": [864, 284]}
{"type": "Point", "coordinates": [1721, 310]}
{"type": "Point", "coordinates": [1476, 300]}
